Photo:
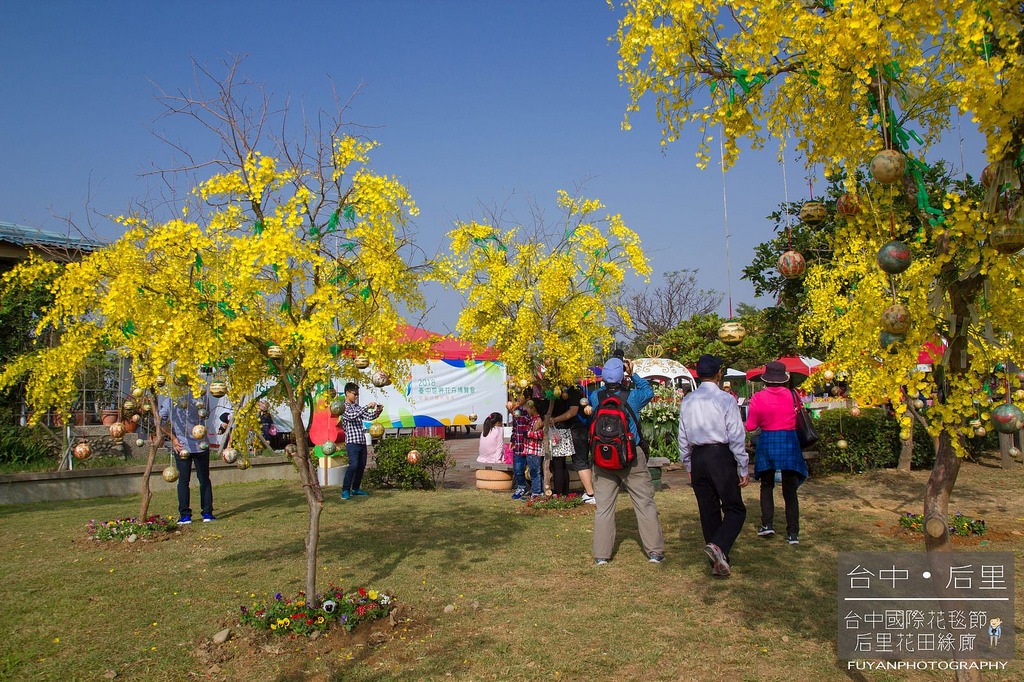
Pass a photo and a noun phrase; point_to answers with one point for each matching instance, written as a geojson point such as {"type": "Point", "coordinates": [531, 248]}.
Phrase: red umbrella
{"type": "Point", "coordinates": [795, 364]}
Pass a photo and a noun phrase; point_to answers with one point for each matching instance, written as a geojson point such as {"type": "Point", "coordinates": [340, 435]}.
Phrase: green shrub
{"type": "Point", "coordinates": [24, 446]}
{"type": "Point", "coordinates": [393, 469]}
{"type": "Point", "coordinates": [873, 441]}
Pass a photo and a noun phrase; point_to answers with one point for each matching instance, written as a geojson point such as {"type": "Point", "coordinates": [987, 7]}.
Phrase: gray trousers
{"type": "Point", "coordinates": [641, 491]}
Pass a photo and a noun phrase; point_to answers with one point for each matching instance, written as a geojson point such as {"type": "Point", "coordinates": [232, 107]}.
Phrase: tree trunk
{"type": "Point", "coordinates": [158, 441]}
{"type": "Point", "coordinates": [314, 496]}
{"type": "Point", "coordinates": [906, 450]}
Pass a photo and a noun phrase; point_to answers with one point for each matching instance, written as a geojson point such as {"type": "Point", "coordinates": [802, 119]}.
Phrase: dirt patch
{"type": "Point", "coordinates": [123, 545]}
{"type": "Point", "coordinates": [579, 510]}
{"type": "Point", "coordinates": [991, 537]}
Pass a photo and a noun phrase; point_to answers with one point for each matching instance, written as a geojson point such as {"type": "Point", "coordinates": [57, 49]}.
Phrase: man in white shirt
{"type": "Point", "coordinates": [712, 448]}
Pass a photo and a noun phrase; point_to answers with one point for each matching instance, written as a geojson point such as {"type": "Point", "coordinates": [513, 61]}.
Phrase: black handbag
{"type": "Point", "coordinates": [805, 432]}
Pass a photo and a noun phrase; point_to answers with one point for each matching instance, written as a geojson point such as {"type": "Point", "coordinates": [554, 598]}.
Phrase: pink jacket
{"type": "Point", "coordinates": [492, 447]}
{"type": "Point", "coordinates": [772, 409]}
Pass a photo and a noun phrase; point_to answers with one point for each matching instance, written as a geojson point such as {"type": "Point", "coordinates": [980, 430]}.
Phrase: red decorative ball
{"type": "Point", "coordinates": [988, 175]}
{"type": "Point", "coordinates": [792, 265]}
{"type": "Point", "coordinates": [848, 205]}
{"type": "Point", "coordinates": [894, 257]}
{"type": "Point", "coordinates": [413, 456]}
{"type": "Point", "coordinates": [896, 319]}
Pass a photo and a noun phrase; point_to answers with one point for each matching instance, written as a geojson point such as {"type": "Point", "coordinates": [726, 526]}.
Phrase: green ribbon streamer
{"type": "Point", "coordinates": [332, 224]}
{"type": "Point", "coordinates": [257, 227]}
{"type": "Point", "coordinates": [285, 307]}
{"type": "Point", "coordinates": [365, 293]}
{"type": "Point", "coordinates": [199, 262]}
{"type": "Point", "coordinates": [349, 213]}
{"type": "Point", "coordinates": [335, 349]}
{"type": "Point", "coordinates": [128, 329]}
{"type": "Point", "coordinates": [226, 309]}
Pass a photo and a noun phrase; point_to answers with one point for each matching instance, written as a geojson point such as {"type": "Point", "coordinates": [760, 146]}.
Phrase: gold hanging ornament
{"type": "Point", "coordinates": [361, 362]}
{"type": "Point", "coordinates": [732, 333]}
{"type": "Point", "coordinates": [170, 473]}
{"type": "Point", "coordinates": [888, 166]}
{"type": "Point", "coordinates": [896, 319]}
{"type": "Point", "coordinates": [82, 451]}
{"type": "Point", "coordinates": [813, 213]}
{"type": "Point", "coordinates": [218, 389]}
{"type": "Point", "coordinates": [376, 430]}
{"type": "Point", "coordinates": [380, 379]}
{"type": "Point", "coordinates": [229, 455]}
{"type": "Point", "coordinates": [275, 352]}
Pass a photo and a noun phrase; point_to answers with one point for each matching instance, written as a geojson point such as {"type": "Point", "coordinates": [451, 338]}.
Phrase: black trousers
{"type": "Point", "coordinates": [560, 475]}
{"type": "Point", "coordinates": [790, 482]}
{"type": "Point", "coordinates": [201, 460]}
{"type": "Point", "coordinates": [716, 484]}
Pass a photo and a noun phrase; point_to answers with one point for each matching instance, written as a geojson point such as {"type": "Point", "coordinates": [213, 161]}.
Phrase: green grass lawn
{"type": "Point", "coordinates": [529, 604]}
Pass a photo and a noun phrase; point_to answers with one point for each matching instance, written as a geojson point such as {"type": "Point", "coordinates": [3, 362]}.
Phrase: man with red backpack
{"type": "Point", "coordinates": [620, 456]}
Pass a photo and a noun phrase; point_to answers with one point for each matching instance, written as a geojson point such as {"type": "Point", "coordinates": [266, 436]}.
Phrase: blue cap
{"type": "Point", "coordinates": [611, 373]}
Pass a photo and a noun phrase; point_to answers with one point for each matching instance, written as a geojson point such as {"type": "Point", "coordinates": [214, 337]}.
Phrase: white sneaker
{"type": "Point", "coordinates": [588, 499]}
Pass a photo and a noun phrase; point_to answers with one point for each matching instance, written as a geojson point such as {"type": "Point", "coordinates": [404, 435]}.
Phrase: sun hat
{"type": "Point", "coordinates": [775, 373]}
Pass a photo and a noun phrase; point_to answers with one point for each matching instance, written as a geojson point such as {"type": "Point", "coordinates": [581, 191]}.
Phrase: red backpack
{"type": "Point", "coordinates": [611, 442]}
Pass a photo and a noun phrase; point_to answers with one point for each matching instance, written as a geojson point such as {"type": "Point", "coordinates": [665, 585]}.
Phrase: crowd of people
{"type": "Point", "coordinates": [712, 446]}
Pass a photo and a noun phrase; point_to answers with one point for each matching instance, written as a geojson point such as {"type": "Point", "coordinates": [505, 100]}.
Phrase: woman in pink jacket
{"type": "Point", "coordinates": [773, 410]}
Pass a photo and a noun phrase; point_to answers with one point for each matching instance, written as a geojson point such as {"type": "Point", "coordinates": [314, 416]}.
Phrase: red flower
{"type": "Point", "coordinates": [360, 610]}
{"type": "Point", "coordinates": [309, 622]}
{"type": "Point", "coordinates": [362, 591]}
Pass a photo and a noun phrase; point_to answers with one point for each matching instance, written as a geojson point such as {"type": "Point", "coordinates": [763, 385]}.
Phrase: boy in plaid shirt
{"type": "Point", "coordinates": [355, 441]}
{"type": "Point", "coordinates": [527, 447]}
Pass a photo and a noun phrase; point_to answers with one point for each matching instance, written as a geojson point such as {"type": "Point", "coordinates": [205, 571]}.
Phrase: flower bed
{"type": "Point", "coordinates": [124, 529]}
{"type": "Point", "coordinates": [294, 616]}
{"type": "Point", "coordinates": [958, 524]}
{"type": "Point", "coordinates": [569, 501]}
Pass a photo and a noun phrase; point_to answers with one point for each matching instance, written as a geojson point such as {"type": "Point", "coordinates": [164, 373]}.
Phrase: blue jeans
{"type": "Point", "coordinates": [356, 464]}
{"type": "Point", "coordinates": [535, 463]}
{"type": "Point", "coordinates": [202, 463]}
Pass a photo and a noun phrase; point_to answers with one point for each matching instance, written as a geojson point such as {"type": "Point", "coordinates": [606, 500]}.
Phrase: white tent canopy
{"type": "Point", "coordinates": [663, 368]}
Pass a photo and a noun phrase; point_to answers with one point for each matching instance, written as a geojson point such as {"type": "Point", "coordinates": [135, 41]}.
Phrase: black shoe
{"type": "Point", "coordinates": [765, 531]}
{"type": "Point", "coordinates": [793, 539]}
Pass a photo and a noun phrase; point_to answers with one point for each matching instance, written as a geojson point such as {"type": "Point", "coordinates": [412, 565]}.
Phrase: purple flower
{"type": "Point", "coordinates": [277, 596]}
{"type": "Point", "coordinates": [344, 618]}
{"type": "Point", "coordinates": [244, 610]}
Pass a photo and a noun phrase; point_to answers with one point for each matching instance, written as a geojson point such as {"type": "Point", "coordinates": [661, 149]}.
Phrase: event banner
{"type": "Point", "coordinates": [442, 393]}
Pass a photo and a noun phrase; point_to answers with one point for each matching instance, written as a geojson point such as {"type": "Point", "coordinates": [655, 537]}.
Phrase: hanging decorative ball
{"type": "Point", "coordinates": [243, 463]}
{"type": "Point", "coordinates": [472, 417]}
{"type": "Point", "coordinates": [160, 380]}
{"type": "Point", "coordinates": [376, 430]}
{"type": "Point", "coordinates": [894, 257]}
{"type": "Point", "coordinates": [854, 411]}
{"type": "Point", "coordinates": [896, 319]}
{"type": "Point", "coordinates": [1018, 394]}
{"type": "Point", "coordinates": [183, 455]}
{"type": "Point", "coordinates": [138, 442]}
{"type": "Point", "coordinates": [218, 389]}
{"type": "Point", "coordinates": [198, 431]}
{"type": "Point", "coordinates": [229, 455]}
{"type": "Point", "coordinates": [1013, 452]}
{"type": "Point", "coordinates": [584, 402]}
{"type": "Point", "coordinates": [117, 430]}
{"type": "Point", "coordinates": [588, 410]}
{"type": "Point", "coordinates": [828, 375]}
{"type": "Point", "coordinates": [203, 412]}
{"type": "Point", "coordinates": [361, 362]}
{"type": "Point", "coordinates": [904, 435]}
{"type": "Point", "coordinates": [130, 405]}
{"type": "Point", "coordinates": [136, 418]}
{"type": "Point", "coordinates": [888, 166]}
{"type": "Point", "coordinates": [329, 447]}
{"type": "Point", "coordinates": [791, 264]}
{"type": "Point", "coordinates": [530, 403]}
{"type": "Point", "coordinates": [918, 404]}
{"type": "Point", "coordinates": [841, 444]}
{"type": "Point", "coordinates": [517, 414]}
{"type": "Point", "coordinates": [137, 392]}
{"type": "Point", "coordinates": [413, 456]}
{"type": "Point", "coordinates": [204, 446]}
{"type": "Point", "coordinates": [557, 392]}
{"type": "Point", "coordinates": [848, 205]}
{"type": "Point", "coordinates": [510, 406]}
{"type": "Point", "coordinates": [337, 407]}
{"type": "Point", "coordinates": [83, 451]}
{"type": "Point", "coordinates": [1007, 238]}
{"type": "Point", "coordinates": [170, 473]}
{"type": "Point", "coordinates": [988, 175]}
{"type": "Point", "coordinates": [181, 380]}
{"type": "Point", "coordinates": [813, 213]}
{"type": "Point", "coordinates": [275, 352]}
{"type": "Point", "coordinates": [523, 383]}
{"type": "Point", "coordinates": [380, 379]}
{"type": "Point", "coordinates": [1007, 417]}
{"type": "Point", "coordinates": [732, 333]}
{"type": "Point", "coordinates": [980, 432]}
{"type": "Point", "coordinates": [886, 339]}
{"type": "Point", "coordinates": [289, 450]}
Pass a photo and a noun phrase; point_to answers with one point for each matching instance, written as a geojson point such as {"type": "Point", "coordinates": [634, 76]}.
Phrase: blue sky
{"type": "Point", "coordinates": [473, 103]}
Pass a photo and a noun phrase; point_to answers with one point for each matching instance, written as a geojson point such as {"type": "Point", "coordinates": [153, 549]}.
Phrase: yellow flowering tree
{"type": "Point", "coordinates": [282, 272]}
{"type": "Point", "coordinates": [544, 297]}
{"type": "Point", "coordinates": [853, 83]}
